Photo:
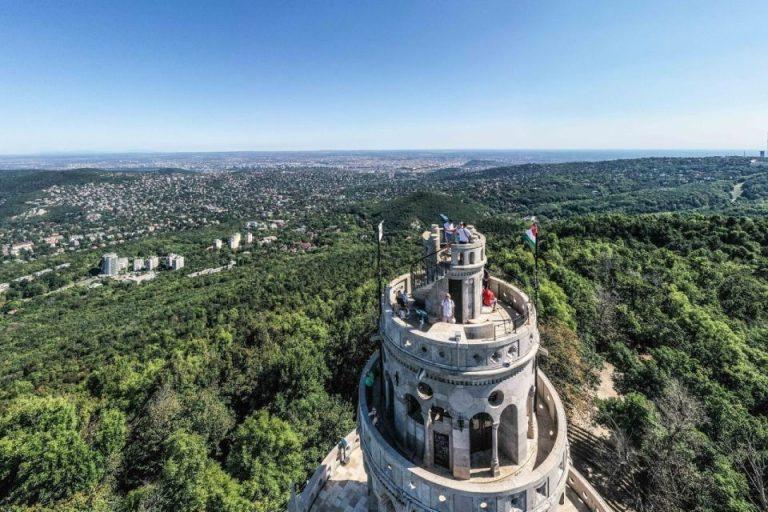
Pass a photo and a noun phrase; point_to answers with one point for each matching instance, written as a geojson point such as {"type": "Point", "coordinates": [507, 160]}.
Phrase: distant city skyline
{"type": "Point", "coordinates": [147, 77]}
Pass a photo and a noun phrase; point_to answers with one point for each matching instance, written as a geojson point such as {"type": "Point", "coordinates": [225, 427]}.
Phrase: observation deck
{"type": "Point", "coordinates": [453, 413]}
{"type": "Point", "coordinates": [337, 487]}
{"type": "Point", "coordinates": [493, 340]}
{"type": "Point", "coordinates": [543, 470]}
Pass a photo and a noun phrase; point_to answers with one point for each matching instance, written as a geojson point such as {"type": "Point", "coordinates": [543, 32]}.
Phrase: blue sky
{"type": "Point", "coordinates": [197, 76]}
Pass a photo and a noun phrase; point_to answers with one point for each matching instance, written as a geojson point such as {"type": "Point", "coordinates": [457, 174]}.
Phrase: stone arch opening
{"type": "Point", "coordinates": [413, 409]}
{"type": "Point", "coordinates": [413, 435]}
{"type": "Point", "coordinates": [509, 436]}
{"type": "Point", "coordinates": [472, 258]}
{"type": "Point", "coordinates": [480, 439]}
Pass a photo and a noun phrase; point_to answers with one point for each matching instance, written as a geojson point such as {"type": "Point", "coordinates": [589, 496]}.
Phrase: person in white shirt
{"type": "Point", "coordinates": [449, 230]}
{"type": "Point", "coordinates": [446, 307]}
{"type": "Point", "coordinates": [463, 234]}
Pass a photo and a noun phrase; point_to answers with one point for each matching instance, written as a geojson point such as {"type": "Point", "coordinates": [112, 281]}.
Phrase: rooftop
{"type": "Point", "coordinates": [512, 312]}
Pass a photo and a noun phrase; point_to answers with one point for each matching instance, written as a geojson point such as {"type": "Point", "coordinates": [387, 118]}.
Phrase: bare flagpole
{"type": "Point", "coordinates": [536, 267]}
{"type": "Point", "coordinates": [379, 238]}
{"type": "Point", "coordinates": [378, 263]}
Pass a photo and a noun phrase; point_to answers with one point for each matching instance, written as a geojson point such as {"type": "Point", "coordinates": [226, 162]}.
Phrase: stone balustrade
{"type": "Point", "coordinates": [489, 346]}
{"type": "Point", "coordinates": [587, 494]}
{"type": "Point", "coordinates": [414, 485]}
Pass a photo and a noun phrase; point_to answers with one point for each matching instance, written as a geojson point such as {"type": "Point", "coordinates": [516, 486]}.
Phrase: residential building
{"type": "Point", "coordinates": [109, 264]}
{"type": "Point", "coordinates": [16, 249]}
{"type": "Point", "coordinates": [53, 240]}
{"type": "Point", "coordinates": [175, 262]}
{"type": "Point", "coordinates": [234, 241]}
{"type": "Point", "coordinates": [152, 263]}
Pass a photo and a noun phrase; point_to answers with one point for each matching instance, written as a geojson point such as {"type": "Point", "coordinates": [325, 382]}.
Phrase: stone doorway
{"type": "Point", "coordinates": [454, 288]}
{"type": "Point", "coordinates": [442, 450]}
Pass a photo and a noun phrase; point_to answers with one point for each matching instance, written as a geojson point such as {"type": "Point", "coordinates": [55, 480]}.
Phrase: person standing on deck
{"type": "Point", "coordinates": [463, 234]}
{"type": "Point", "coordinates": [446, 307]}
{"type": "Point", "coordinates": [449, 230]}
{"type": "Point", "coordinates": [489, 298]}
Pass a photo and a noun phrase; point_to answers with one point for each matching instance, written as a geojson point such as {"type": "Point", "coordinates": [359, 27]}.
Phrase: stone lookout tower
{"type": "Point", "coordinates": [453, 415]}
{"type": "Point", "coordinates": [465, 421]}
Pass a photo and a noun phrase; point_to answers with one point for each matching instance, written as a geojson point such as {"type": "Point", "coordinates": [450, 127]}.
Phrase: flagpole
{"type": "Point", "coordinates": [379, 236]}
{"type": "Point", "coordinates": [536, 269]}
{"type": "Point", "coordinates": [535, 227]}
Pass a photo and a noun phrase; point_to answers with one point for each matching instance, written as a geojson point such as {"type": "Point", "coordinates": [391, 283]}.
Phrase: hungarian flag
{"type": "Point", "coordinates": [531, 234]}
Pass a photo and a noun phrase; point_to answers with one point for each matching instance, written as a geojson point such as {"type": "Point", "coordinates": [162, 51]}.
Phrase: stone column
{"type": "Point", "coordinates": [495, 450]}
{"type": "Point", "coordinates": [531, 414]}
{"type": "Point", "coordinates": [399, 420]}
{"type": "Point", "coordinates": [460, 441]}
{"type": "Point", "coordinates": [429, 441]}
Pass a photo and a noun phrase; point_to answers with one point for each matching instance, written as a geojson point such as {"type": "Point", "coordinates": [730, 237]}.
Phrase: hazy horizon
{"type": "Point", "coordinates": [361, 160]}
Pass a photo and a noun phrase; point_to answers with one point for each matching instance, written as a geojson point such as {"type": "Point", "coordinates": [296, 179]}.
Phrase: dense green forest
{"type": "Point", "coordinates": [219, 392]}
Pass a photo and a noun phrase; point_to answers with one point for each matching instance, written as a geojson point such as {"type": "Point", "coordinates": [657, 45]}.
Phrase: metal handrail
{"type": "Point", "coordinates": [420, 265]}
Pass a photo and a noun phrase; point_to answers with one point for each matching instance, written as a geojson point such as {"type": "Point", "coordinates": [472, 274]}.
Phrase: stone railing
{"type": "Point", "coordinates": [303, 502]}
{"type": "Point", "coordinates": [587, 494]}
{"type": "Point", "coordinates": [481, 347]}
{"type": "Point", "coordinates": [512, 296]}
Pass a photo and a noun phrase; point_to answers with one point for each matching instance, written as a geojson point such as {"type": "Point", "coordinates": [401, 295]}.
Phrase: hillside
{"type": "Point", "coordinates": [219, 392]}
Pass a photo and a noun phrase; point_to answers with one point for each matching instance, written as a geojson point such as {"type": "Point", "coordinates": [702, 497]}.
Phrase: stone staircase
{"type": "Point", "coordinates": [587, 451]}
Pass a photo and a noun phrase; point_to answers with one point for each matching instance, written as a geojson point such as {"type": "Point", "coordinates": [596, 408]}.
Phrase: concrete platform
{"type": "Point", "coordinates": [347, 490]}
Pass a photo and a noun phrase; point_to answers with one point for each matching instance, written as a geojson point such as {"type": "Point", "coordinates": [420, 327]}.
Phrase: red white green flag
{"type": "Point", "coordinates": [531, 235]}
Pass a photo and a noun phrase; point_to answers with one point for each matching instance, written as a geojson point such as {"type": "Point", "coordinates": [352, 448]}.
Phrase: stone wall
{"type": "Point", "coordinates": [412, 487]}
{"type": "Point", "coordinates": [586, 492]}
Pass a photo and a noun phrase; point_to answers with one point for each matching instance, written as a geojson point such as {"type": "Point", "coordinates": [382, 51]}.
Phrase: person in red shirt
{"type": "Point", "coordinates": [489, 298]}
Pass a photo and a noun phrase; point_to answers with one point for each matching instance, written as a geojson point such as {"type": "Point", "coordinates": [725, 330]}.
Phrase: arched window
{"type": "Point", "coordinates": [509, 437]}
{"type": "Point", "coordinates": [480, 432]}
{"type": "Point", "coordinates": [437, 413]}
{"type": "Point", "coordinates": [472, 258]}
{"type": "Point", "coordinates": [425, 390]}
{"type": "Point", "coordinates": [413, 409]}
